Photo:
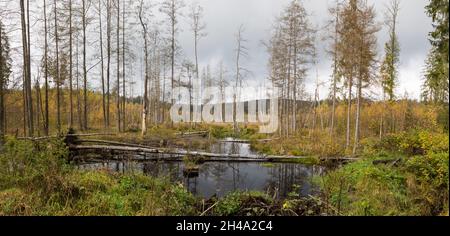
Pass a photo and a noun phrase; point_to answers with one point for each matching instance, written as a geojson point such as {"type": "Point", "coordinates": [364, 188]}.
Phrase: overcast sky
{"type": "Point", "coordinates": [223, 18]}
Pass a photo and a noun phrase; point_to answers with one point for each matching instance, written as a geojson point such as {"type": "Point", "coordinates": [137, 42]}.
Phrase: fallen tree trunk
{"type": "Point", "coordinates": [142, 153]}
{"type": "Point", "coordinates": [199, 133]}
{"type": "Point", "coordinates": [235, 141]}
{"type": "Point", "coordinates": [111, 143]}
{"type": "Point", "coordinates": [245, 141]}
{"type": "Point", "coordinates": [93, 134]}
{"type": "Point", "coordinates": [114, 148]}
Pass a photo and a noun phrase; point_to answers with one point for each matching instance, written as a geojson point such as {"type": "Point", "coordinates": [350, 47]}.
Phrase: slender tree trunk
{"type": "Point", "coordinates": [57, 79]}
{"type": "Point", "coordinates": [359, 98]}
{"type": "Point", "coordinates": [124, 97]}
{"type": "Point", "coordinates": [288, 124]}
{"type": "Point", "coordinates": [144, 99]}
{"type": "Point", "coordinates": [85, 101]}
{"type": "Point", "coordinates": [358, 116]}
{"type": "Point", "coordinates": [164, 90]}
{"type": "Point", "coordinates": [118, 68]}
{"type": "Point", "coordinates": [190, 94]}
{"type": "Point", "coordinates": [196, 53]}
{"type": "Point", "coordinates": [173, 56]}
{"type": "Point", "coordinates": [70, 66]}
{"type": "Point", "coordinates": [294, 108]}
{"type": "Point", "coordinates": [2, 95]}
{"type": "Point", "coordinates": [238, 54]}
{"type": "Point", "coordinates": [384, 107]}
{"type": "Point", "coordinates": [335, 72]}
{"type": "Point", "coordinates": [333, 107]}
{"type": "Point", "coordinates": [79, 111]}
{"type": "Point", "coordinates": [29, 83]}
{"type": "Point", "coordinates": [26, 70]}
{"type": "Point", "coordinates": [38, 107]}
{"type": "Point", "coordinates": [381, 126]}
{"type": "Point", "coordinates": [24, 105]}
{"type": "Point", "coordinates": [46, 122]}
{"type": "Point", "coordinates": [108, 69]}
{"type": "Point", "coordinates": [349, 111]}
{"type": "Point", "coordinates": [102, 64]}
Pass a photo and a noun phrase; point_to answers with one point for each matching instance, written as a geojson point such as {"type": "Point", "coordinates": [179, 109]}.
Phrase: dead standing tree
{"type": "Point", "coordinates": [172, 9]}
{"type": "Point", "coordinates": [28, 104]}
{"type": "Point", "coordinates": [241, 52]}
{"type": "Point", "coordinates": [334, 37]}
{"type": "Point", "coordinates": [57, 75]}
{"type": "Point", "coordinates": [198, 29]}
{"type": "Point", "coordinates": [145, 97]}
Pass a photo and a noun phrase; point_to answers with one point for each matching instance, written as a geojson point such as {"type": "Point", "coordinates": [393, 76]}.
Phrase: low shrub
{"type": "Point", "coordinates": [363, 188]}
{"type": "Point", "coordinates": [35, 180]}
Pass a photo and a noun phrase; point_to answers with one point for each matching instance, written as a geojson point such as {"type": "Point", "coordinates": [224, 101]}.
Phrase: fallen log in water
{"type": "Point", "coordinates": [159, 154]}
{"type": "Point", "coordinates": [197, 133]}
{"type": "Point", "coordinates": [112, 148]}
{"type": "Point", "coordinates": [235, 141]}
{"type": "Point", "coordinates": [94, 134]}
{"type": "Point", "coordinates": [246, 141]}
{"type": "Point", "coordinates": [111, 143]}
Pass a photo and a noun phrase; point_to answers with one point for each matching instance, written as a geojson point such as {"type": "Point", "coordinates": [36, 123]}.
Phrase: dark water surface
{"type": "Point", "coordinates": [220, 178]}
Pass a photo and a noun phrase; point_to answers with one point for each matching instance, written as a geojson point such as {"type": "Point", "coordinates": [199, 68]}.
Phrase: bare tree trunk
{"type": "Point", "coordinates": [145, 99]}
{"type": "Point", "coordinates": [108, 52]}
{"type": "Point", "coordinates": [164, 90]}
{"type": "Point", "coordinates": [333, 107]}
{"type": "Point", "coordinates": [240, 51]}
{"type": "Point", "coordinates": [118, 68]}
{"type": "Point", "coordinates": [124, 100]}
{"type": "Point", "coordinates": [29, 83]}
{"type": "Point", "coordinates": [46, 122]}
{"type": "Point", "coordinates": [102, 64]}
{"type": "Point", "coordinates": [335, 71]}
{"type": "Point", "coordinates": [172, 57]}
{"type": "Point", "coordinates": [294, 108]}
{"type": "Point", "coordinates": [24, 101]}
{"type": "Point", "coordinates": [288, 123]}
{"type": "Point", "coordinates": [70, 67]}
{"type": "Point", "coordinates": [381, 126]}
{"type": "Point", "coordinates": [79, 111]}
{"type": "Point", "coordinates": [26, 71]}
{"type": "Point", "coordinates": [58, 95]}
{"type": "Point", "coordinates": [172, 46]}
{"type": "Point", "coordinates": [235, 123]}
{"type": "Point", "coordinates": [2, 95]}
{"type": "Point", "coordinates": [349, 111]}
{"type": "Point", "coordinates": [38, 107]}
{"type": "Point", "coordinates": [190, 94]}
{"type": "Point", "coordinates": [358, 116]}
{"type": "Point", "coordinates": [85, 101]}
{"type": "Point", "coordinates": [197, 28]}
